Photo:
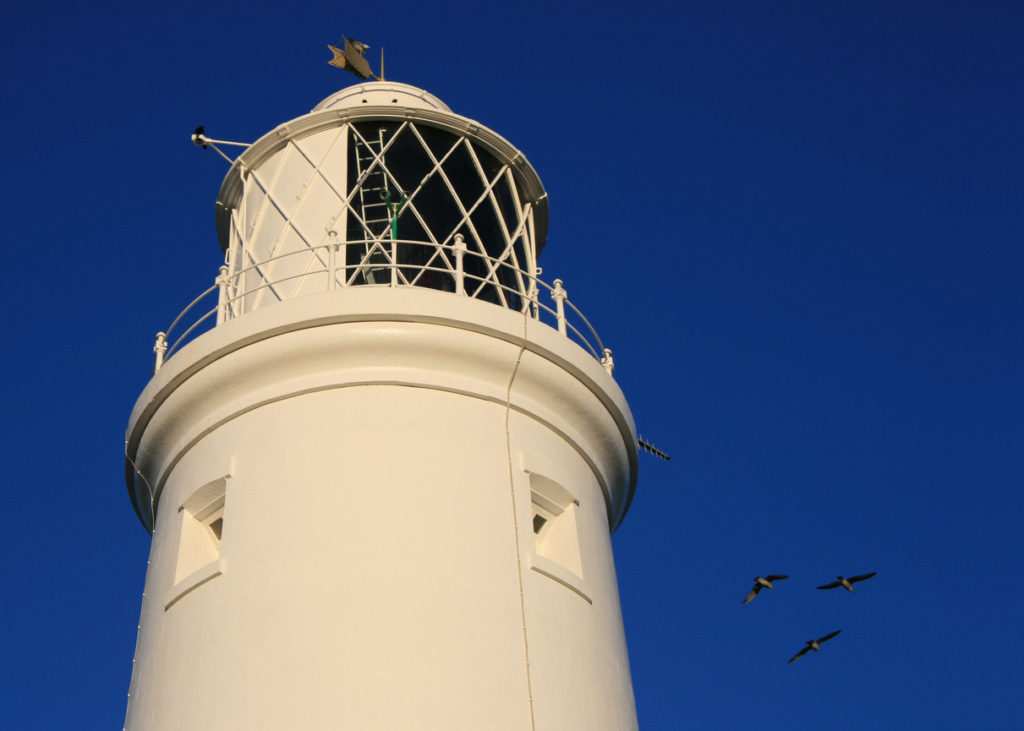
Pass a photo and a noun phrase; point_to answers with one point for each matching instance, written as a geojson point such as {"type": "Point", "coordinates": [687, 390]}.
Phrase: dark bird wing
{"type": "Point", "coordinates": [800, 654]}
{"type": "Point", "coordinates": [753, 593]}
{"type": "Point", "coordinates": [829, 636]}
{"type": "Point", "coordinates": [776, 577]}
{"type": "Point", "coordinates": [833, 585]}
{"type": "Point", "coordinates": [861, 577]}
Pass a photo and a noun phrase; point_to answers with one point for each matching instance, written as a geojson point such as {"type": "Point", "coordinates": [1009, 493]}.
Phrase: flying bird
{"type": "Point", "coordinates": [762, 583]}
{"type": "Point", "coordinates": [813, 645]}
{"type": "Point", "coordinates": [845, 583]}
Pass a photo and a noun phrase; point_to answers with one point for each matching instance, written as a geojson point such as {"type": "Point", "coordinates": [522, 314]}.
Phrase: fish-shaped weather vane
{"type": "Point", "coordinates": [351, 58]}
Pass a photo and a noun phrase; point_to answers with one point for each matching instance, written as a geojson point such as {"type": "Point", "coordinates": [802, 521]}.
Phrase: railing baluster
{"type": "Point", "coordinates": [222, 294]}
{"type": "Point", "coordinates": [460, 273]}
{"type": "Point", "coordinates": [232, 291]}
{"type": "Point", "coordinates": [332, 260]}
{"type": "Point", "coordinates": [607, 362]}
{"type": "Point", "coordinates": [394, 264]}
{"type": "Point", "coordinates": [558, 294]}
{"type": "Point", "coordinates": [531, 300]}
{"type": "Point", "coordinates": [160, 348]}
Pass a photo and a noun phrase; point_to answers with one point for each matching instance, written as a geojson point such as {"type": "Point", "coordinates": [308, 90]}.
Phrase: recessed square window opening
{"type": "Point", "coordinates": [202, 528]}
{"type": "Point", "coordinates": [555, 534]}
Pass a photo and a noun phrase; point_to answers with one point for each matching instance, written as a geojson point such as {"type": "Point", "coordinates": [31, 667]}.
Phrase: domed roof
{"type": "Point", "coordinates": [377, 101]}
{"type": "Point", "coordinates": [382, 93]}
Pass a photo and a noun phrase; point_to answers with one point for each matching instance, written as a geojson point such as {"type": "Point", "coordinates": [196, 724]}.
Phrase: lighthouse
{"type": "Point", "coordinates": [381, 459]}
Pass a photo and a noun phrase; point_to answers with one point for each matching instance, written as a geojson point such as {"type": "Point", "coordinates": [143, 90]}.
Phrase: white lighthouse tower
{"type": "Point", "coordinates": [382, 460]}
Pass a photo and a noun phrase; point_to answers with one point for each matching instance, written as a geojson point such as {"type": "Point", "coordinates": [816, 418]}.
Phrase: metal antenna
{"type": "Point", "coordinates": [381, 63]}
{"type": "Point", "coordinates": [651, 449]}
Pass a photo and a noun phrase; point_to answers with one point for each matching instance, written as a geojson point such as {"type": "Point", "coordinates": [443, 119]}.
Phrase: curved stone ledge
{"type": "Point", "coordinates": [414, 338]}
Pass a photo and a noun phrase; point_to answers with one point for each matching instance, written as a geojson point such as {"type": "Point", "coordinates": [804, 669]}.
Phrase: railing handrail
{"type": "Point", "coordinates": [233, 291]}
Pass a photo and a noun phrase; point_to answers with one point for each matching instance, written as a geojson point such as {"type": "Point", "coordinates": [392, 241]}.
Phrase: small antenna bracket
{"type": "Point", "coordinates": [199, 139]}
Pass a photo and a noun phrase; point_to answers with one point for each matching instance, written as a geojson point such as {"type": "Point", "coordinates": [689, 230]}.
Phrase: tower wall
{"type": "Point", "coordinates": [379, 509]}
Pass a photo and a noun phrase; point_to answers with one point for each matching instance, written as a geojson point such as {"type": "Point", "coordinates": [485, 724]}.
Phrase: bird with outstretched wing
{"type": "Point", "coordinates": [845, 583]}
{"type": "Point", "coordinates": [813, 645]}
{"type": "Point", "coordinates": [763, 582]}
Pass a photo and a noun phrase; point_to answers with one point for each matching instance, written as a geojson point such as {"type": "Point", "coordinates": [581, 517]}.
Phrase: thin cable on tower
{"type": "Point", "coordinates": [515, 519]}
{"type": "Point", "coordinates": [149, 488]}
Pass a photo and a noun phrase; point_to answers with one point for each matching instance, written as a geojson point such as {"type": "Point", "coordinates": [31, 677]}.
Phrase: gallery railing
{"type": "Point", "coordinates": [452, 268]}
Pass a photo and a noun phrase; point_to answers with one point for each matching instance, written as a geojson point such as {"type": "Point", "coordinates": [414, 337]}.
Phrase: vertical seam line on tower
{"type": "Point", "coordinates": [515, 520]}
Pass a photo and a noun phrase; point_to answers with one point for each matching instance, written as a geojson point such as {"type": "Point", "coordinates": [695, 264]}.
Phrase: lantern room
{"type": "Point", "coordinates": [381, 185]}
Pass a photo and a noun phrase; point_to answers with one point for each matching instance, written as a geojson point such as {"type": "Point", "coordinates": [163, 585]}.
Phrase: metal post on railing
{"type": "Point", "coordinates": [460, 252]}
{"type": "Point", "coordinates": [332, 260]}
{"type": "Point", "coordinates": [558, 294]}
{"type": "Point", "coordinates": [394, 262]}
{"type": "Point", "coordinates": [222, 294]}
{"type": "Point", "coordinates": [534, 293]}
{"type": "Point", "coordinates": [607, 362]}
{"type": "Point", "coordinates": [343, 258]}
{"type": "Point", "coordinates": [530, 306]}
{"type": "Point", "coordinates": [160, 348]}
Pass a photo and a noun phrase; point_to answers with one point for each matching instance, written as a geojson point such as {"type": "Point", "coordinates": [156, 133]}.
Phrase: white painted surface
{"type": "Point", "coordinates": [375, 456]}
{"type": "Point", "coordinates": [382, 93]}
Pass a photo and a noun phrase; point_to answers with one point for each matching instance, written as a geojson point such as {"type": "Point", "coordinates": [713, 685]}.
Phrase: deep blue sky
{"type": "Point", "coordinates": [798, 225]}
